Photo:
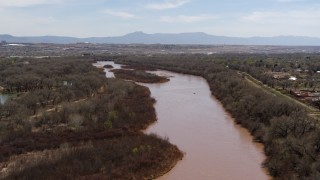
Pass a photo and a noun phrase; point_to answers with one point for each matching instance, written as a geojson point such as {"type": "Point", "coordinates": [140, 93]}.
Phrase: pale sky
{"type": "Point", "coordinates": [102, 18]}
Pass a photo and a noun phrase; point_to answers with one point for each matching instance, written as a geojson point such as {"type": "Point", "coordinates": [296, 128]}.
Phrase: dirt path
{"type": "Point", "coordinates": [55, 108]}
{"type": "Point", "coordinates": [314, 112]}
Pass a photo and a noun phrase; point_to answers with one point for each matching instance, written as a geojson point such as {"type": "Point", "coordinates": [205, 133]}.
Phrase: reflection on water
{"type": "Point", "coordinates": [215, 148]}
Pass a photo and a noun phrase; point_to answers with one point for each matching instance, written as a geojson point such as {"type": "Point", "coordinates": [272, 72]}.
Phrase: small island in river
{"type": "Point", "coordinates": [138, 67]}
{"type": "Point", "coordinates": [139, 76]}
{"type": "Point", "coordinates": [108, 66]}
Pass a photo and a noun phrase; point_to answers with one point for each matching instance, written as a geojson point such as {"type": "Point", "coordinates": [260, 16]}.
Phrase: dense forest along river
{"type": "Point", "coordinates": [215, 147]}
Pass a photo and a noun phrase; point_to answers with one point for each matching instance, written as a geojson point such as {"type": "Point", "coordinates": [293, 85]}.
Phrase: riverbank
{"type": "Point", "coordinates": [131, 156]}
{"type": "Point", "coordinates": [288, 134]}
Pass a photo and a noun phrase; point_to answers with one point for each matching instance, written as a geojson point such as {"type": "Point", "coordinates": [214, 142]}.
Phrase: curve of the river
{"type": "Point", "coordinates": [215, 147]}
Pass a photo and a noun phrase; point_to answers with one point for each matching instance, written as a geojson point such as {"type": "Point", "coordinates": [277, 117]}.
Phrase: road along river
{"type": "Point", "coordinates": [214, 146]}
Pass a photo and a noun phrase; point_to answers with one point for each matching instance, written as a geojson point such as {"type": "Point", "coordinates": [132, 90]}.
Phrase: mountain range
{"type": "Point", "coordinates": [162, 38]}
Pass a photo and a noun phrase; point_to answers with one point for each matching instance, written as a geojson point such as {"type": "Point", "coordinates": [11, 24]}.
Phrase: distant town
{"type": "Point", "coordinates": [86, 49]}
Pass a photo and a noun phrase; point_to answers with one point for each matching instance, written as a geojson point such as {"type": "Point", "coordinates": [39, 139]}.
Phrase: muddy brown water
{"type": "Point", "coordinates": [214, 146]}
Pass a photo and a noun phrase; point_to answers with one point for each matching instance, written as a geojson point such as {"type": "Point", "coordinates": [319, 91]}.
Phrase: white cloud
{"type": "Point", "coordinates": [17, 23]}
{"type": "Point", "coordinates": [302, 22]}
{"type": "Point", "coordinates": [25, 3]}
{"type": "Point", "coordinates": [294, 16]}
{"type": "Point", "coordinates": [169, 4]}
{"type": "Point", "coordinates": [121, 14]}
{"type": "Point", "coordinates": [185, 18]}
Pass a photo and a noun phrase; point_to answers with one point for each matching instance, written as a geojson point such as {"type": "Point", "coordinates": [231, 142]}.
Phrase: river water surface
{"type": "Point", "coordinates": [192, 119]}
{"type": "Point", "coordinates": [4, 98]}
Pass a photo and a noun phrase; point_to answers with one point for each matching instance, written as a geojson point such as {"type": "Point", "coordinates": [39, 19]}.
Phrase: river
{"type": "Point", "coordinates": [214, 146]}
{"type": "Point", "coordinates": [4, 98]}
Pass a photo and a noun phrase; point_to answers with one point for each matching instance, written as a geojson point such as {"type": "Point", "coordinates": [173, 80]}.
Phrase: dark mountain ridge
{"type": "Point", "coordinates": [166, 38]}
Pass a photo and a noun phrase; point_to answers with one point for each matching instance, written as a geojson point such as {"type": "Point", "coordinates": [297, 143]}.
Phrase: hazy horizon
{"type": "Point", "coordinates": [107, 18]}
{"type": "Point", "coordinates": [121, 35]}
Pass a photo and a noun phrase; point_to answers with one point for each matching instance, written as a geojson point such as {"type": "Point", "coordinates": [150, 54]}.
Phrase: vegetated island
{"type": "Point", "coordinates": [67, 121]}
{"type": "Point", "coordinates": [289, 131]}
{"type": "Point", "coordinates": [108, 66]}
{"type": "Point", "coordinates": [139, 76]}
{"type": "Point", "coordinates": [140, 67]}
